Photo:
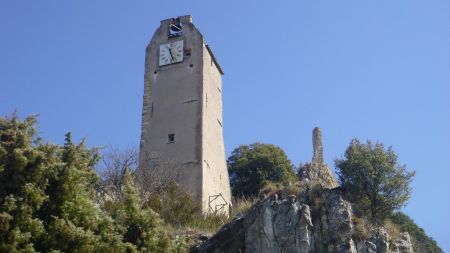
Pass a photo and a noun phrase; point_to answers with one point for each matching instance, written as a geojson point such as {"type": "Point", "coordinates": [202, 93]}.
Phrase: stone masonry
{"type": "Point", "coordinates": [317, 146]}
{"type": "Point", "coordinates": [182, 113]}
{"type": "Point", "coordinates": [318, 171]}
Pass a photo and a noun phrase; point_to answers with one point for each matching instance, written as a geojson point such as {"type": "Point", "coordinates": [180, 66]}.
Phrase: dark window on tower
{"type": "Point", "coordinates": [171, 138]}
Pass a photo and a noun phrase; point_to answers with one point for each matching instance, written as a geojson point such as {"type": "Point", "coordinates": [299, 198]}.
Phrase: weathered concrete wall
{"type": "Point", "coordinates": [216, 185]}
{"type": "Point", "coordinates": [175, 103]}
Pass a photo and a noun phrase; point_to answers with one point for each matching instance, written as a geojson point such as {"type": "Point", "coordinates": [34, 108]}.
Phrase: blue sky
{"type": "Point", "coordinates": [377, 70]}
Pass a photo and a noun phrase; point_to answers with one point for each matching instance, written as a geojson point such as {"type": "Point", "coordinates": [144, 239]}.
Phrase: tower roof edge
{"type": "Point", "coordinates": [214, 59]}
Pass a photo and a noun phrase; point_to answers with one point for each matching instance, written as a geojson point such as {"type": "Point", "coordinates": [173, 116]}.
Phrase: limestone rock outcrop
{"type": "Point", "coordinates": [315, 220]}
{"type": "Point", "coordinates": [318, 174]}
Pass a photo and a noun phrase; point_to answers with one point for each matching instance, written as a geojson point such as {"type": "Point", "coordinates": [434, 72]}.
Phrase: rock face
{"type": "Point", "coordinates": [318, 172]}
{"type": "Point", "coordinates": [315, 220]}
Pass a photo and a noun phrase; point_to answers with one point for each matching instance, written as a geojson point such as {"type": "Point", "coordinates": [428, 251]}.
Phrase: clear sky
{"type": "Point", "coordinates": [377, 70]}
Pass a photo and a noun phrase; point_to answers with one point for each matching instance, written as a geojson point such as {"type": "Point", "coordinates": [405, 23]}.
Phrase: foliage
{"type": "Point", "coordinates": [175, 206]}
{"type": "Point", "coordinates": [181, 212]}
{"type": "Point", "coordinates": [374, 181]}
{"type": "Point", "coordinates": [155, 181]}
{"type": "Point", "coordinates": [142, 228]}
{"type": "Point", "coordinates": [421, 242]}
{"type": "Point", "coordinates": [252, 166]}
{"type": "Point", "coordinates": [47, 197]}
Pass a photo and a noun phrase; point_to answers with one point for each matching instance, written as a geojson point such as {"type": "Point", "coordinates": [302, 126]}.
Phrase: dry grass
{"type": "Point", "coordinates": [207, 224]}
{"type": "Point", "coordinates": [271, 189]}
{"type": "Point", "coordinates": [315, 195]}
{"type": "Point", "coordinates": [241, 206]}
{"type": "Point", "coordinates": [392, 229]}
{"type": "Point", "coordinates": [363, 228]}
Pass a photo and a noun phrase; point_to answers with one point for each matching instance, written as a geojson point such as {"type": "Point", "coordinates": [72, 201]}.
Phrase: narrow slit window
{"type": "Point", "coordinates": [151, 112]}
{"type": "Point", "coordinates": [171, 138]}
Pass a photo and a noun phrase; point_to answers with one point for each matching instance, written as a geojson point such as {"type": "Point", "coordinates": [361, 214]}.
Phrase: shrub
{"type": "Point", "coordinates": [421, 242]}
{"type": "Point", "coordinates": [174, 206]}
{"type": "Point", "coordinates": [251, 166]}
{"type": "Point", "coordinates": [362, 227]}
{"type": "Point", "coordinates": [140, 227]}
{"type": "Point", "coordinates": [47, 192]}
{"type": "Point", "coordinates": [47, 195]}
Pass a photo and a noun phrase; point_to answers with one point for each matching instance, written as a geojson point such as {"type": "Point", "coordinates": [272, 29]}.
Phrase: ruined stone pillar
{"type": "Point", "coordinates": [317, 146]}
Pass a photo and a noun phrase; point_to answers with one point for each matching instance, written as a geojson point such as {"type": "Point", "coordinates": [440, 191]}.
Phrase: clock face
{"type": "Point", "coordinates": [171, 53]}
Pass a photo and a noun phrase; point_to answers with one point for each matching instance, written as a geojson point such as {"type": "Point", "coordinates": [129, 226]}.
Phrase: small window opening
{"type": "Point", "coordinates": [171, 138]}
{"type": "Point", "coordinates": [187, 52]}
{"type": "Point", "coordinates": [191, 65]}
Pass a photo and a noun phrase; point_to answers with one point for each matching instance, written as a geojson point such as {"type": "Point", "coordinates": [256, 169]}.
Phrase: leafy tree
{"type": "Point", "coordinates": [252, 166]}
{"type": "Point", "coordinates": [373, 179]}
{"type": "Point", "coordinates": [421, 242]}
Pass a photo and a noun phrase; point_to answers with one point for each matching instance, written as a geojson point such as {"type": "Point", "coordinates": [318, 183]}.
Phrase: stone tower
{"type": "Point", "coordinates": [318, 172]}
{"type": "Point", "coordinates": [182, 112]}
{"type": "Point", "coordinates": [317, 146]}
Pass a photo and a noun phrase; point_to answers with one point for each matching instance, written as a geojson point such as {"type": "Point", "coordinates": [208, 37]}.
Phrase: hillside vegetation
{"type": "Point", "coordinates": [53, 200]}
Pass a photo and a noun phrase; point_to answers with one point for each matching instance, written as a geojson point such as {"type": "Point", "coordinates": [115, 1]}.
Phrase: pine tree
{"type": "Point", "coordinates": [46, 195]}
{"type": "Point", "coordinates": [23, 177]}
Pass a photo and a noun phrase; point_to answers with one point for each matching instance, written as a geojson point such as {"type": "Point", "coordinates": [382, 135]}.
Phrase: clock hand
{"type": "Point", "coordinates": [170, 52]}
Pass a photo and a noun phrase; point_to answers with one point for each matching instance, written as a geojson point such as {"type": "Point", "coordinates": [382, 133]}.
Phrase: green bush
{"type": "Point", "coordinates": [140, 227]}
{"type": "Point", "coordinates": [47, 195]}
{"type": "Point", "coordinates": [421, 242]}
{"type": "Point", "coordinates": [251, 166]}
{"type": "Point", "coordinates": [175, 206]}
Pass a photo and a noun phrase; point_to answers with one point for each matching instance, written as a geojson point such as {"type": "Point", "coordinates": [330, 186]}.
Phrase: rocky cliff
{"type": "Point", "coordinates": [313, 218]}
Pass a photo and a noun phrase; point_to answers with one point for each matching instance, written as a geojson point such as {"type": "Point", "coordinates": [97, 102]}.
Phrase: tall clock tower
{"type": "Point", "coordinates": [182, 112]}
